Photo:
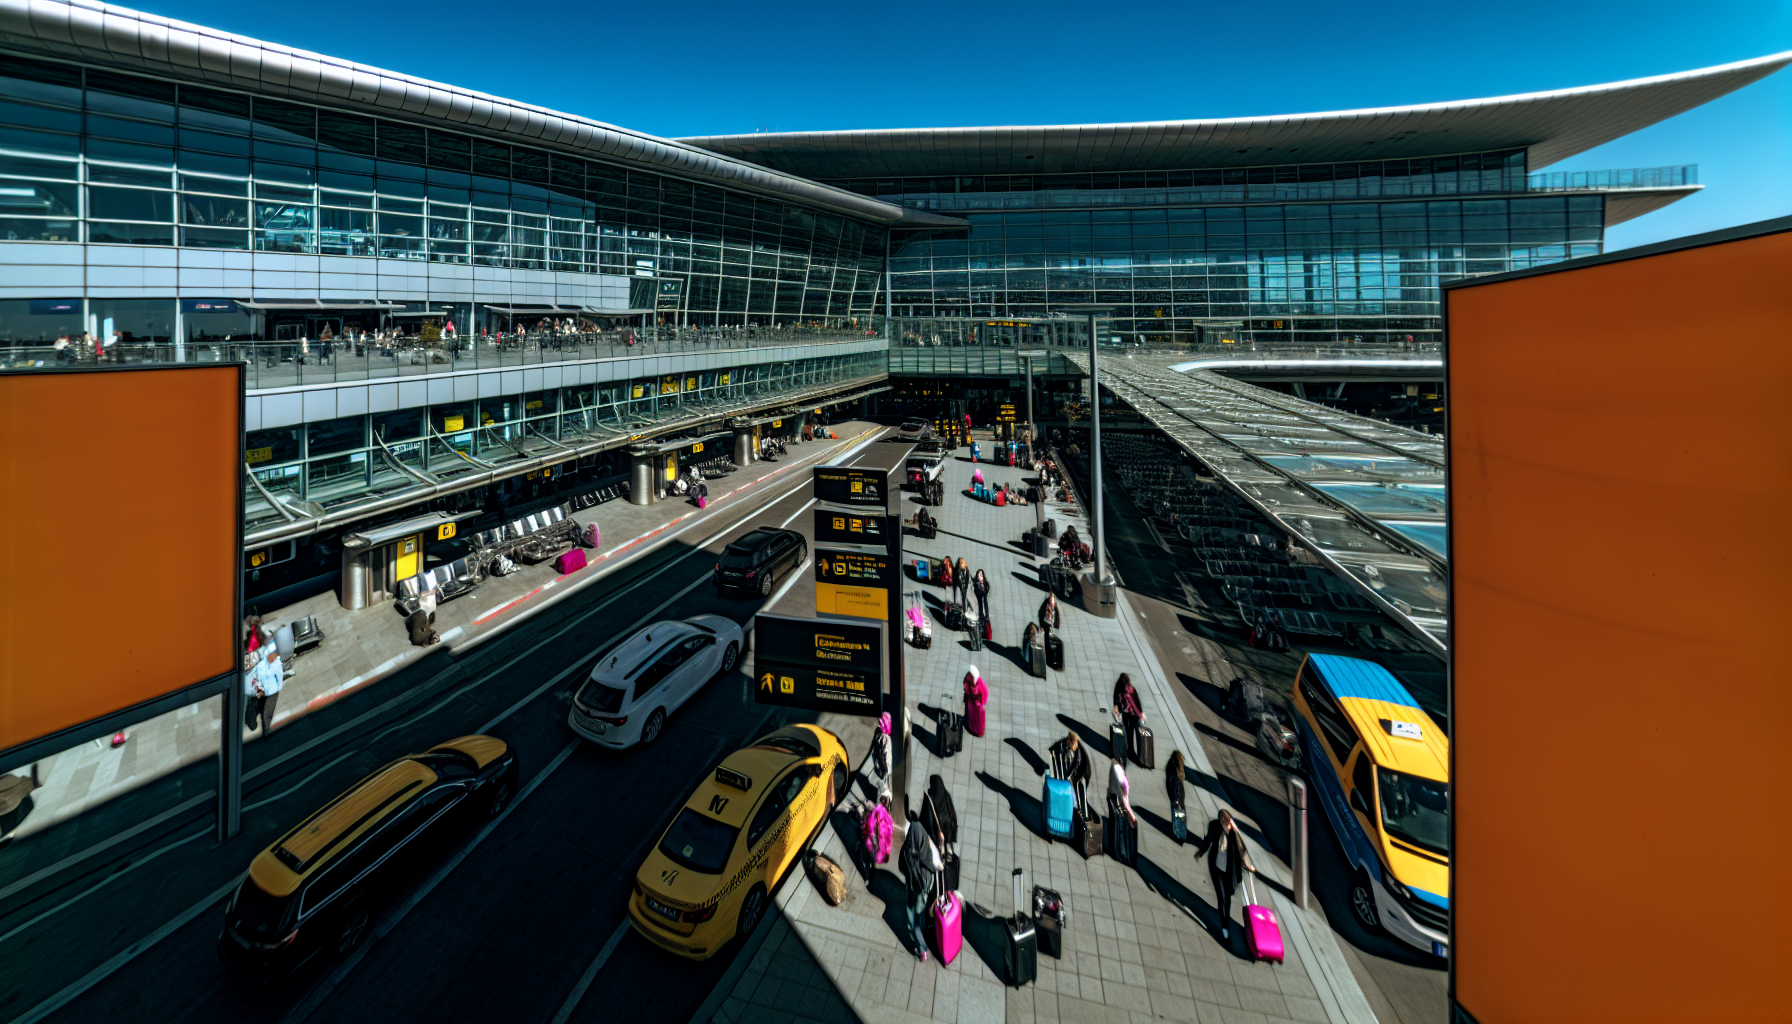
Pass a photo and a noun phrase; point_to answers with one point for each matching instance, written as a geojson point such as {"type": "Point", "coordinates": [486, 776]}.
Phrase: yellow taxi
{"type": "Point", "coordinates": [316, 889]}
{"type": "Point", "coordinates": [712, 875]}
{"type": "Point", "coordinates": [1381, 768]}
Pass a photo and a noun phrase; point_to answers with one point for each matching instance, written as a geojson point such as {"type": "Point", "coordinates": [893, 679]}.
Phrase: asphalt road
{"type": "Point", "coordinates": [525, 922]}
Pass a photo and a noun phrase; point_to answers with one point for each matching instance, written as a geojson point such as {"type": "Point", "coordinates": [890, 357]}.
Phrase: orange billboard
{"type": "Point", "coordinates": [1620, 468]}
{"type": "Point", "coordinates": [120, 534]}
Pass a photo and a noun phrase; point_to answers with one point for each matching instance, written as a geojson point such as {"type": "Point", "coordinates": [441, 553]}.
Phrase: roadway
{"type": "Point", "coordinates": [525, 922]}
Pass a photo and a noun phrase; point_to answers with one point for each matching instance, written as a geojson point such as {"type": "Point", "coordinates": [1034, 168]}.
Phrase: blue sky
{"type": "Point", "coordinates": [699, 68]}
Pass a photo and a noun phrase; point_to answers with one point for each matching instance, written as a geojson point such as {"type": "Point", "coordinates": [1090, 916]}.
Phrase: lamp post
{"type": "Point", "coordinates": [1098, 586]}
{"type": "Point", "coordinates": [1026, 358]}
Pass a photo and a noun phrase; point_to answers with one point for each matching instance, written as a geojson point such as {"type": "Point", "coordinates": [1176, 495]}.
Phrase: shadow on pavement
{"type": "Point", "coordinates": [1025, 806]}
{"type": "Point", "coordinates": [1204, 913]}
{"type": "Point", "coordinates": [1096, 742]}
{"type": "Point", "coordinates": [1031, 580]}
{"type": "Point", "coordinates": [1028, 754]}
{"type": "Point", "coordinates": [983, 933]}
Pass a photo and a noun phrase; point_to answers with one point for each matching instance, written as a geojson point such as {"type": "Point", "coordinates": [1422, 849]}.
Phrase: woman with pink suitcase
{"type": "Point", "coordinates": [1227, 861]}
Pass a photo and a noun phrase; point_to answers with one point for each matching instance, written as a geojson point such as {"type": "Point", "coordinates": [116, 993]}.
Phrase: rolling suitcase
{"type": "Point", "coordinates": [951, 729]}
{"type": "Point", "coordinates": [1117, 742]}
{"type": "Point", "coordinates": [948, 926]}
{"type": "Point", "coordinates": [1054, 651]}
{"type": "Point", "coordinates": [1179, 824]}
{"type": "Point", "coordinates": [1051, 529]}
{"type": "Point", "coordinates": [954, 616]}
{"type": "Point", "coordinates": [1059, 802]}
{"type": "Point", "coordinates": [950, 867]}
{"type": "Point", "coordinates": [1124, 833]}
{"type": "Point", "coordinates": [1144, 747]}
{"type": "Point", "coordinates": [1088, 829]}
{"type": "Point", "coordinates": [1049, 919]}
{"type": "Point", "coordinates": [1020, 953]}
{"type": "Point", "coordinates": [1036, 657]}
{"type": "Point", "coordinates": [973, 631]}
{"type": "Point", "coordinates": [921, 569]}
{"type": "Point", "coordinates": [1261, 930]}
{"type": "Point", "coordinates": [989, 634]}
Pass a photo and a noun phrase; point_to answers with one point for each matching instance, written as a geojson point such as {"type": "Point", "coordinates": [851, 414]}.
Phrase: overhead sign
{"type": "Point", "coordinates": [852, 485]}
{"type": "Point", "coordinates": [1006, 415]}
{"type": "Point", "coordinates": [854, 582]}
{"type": "Point", "coordinates": [818, 665]}
{"type": "Point", "coordinates": [837, 527]}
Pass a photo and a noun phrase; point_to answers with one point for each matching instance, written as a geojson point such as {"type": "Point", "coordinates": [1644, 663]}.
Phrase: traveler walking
{"type": "Point", "coordinates": [1227, 861]}
{"type": "Point", "coordinates": [1049, 619]}
{"type": "Point", "coordinates": [1173, 786]}
{"type": "Point", "coordinates": [1123, 823]}
{"type": "Point", "coordinates": [877, 763]}
{"type": "Point", "coordinates": [262, 688]}
{"type": "Point", "coordinates": [961, 583]}
{"type": "Point", "coordinates": [1127, 707]}
{"type": "Point", "coordinates": [980, 587]}
{"type": "Point", "coordinates": [1069, 753]}
{"type": "Point", "coordinates": [921, 866]}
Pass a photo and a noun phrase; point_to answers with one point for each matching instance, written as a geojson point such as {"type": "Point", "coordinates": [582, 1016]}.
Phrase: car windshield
{"type": "Point", "coordinates": [913, 425]}
{"type": "Point", "coordinates": [599, 697]}
{"type": "Point", "coordinates": [699, 843]}
{"type": "Point", "coordinates": [1416, 810]}
{"type": "Point", "coordinates": [257, 916]}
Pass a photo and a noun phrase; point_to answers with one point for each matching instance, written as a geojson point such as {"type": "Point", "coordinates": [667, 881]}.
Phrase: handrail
{"type": "Point", "coordinates": [277, 505]}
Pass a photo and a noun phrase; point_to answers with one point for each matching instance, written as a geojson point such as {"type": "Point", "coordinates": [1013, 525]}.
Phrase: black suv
{"type": "Point", "coordinates": [755, 561]}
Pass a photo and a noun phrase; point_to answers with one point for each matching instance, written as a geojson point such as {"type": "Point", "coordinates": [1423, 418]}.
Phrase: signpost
{"type": "Point", "coordinates": [837, 526]}
{"type": "Point", "coordinates": [818, 665]}
{"type": "Point", "coordinates": [856, 486]}
{"type": "Point", "coordinates": [860, 582]}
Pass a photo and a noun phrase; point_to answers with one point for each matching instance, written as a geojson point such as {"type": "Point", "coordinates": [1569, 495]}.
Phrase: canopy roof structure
{"type": "Point", "coordinates": [121, 37]}
{"type": "Point", "coordinates": [1552, 125]}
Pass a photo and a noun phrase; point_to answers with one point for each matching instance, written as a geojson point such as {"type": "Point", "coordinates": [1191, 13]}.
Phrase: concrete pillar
{"type": "Point", "coordinates": [642, 482]}
{"type": "Point", "coordinates": [743, 446]}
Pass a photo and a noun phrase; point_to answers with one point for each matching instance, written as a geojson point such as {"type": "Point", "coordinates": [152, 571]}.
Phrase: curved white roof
{"type": "Point", "coordinates": [132, 40]}
{"type": "Point", "coordinates": [1553, 125]}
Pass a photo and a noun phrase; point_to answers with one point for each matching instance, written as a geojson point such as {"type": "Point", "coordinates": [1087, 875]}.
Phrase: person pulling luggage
{"type": "Point", "coordinates": [921, 866]}
{"type": "Point", "coordinates": [961, 583]}
{"type": "Point", "coordinates": [1127, 707]}
{"type": "Point", "coordinates": [980, 587]}
{"type": "Point", "coordinates": [1175, 789]}
{"type": "Point", "coordinates": [1049, 618]}
{"type": "Point", "coordinates": [1069, 752]}
{"type": "Point", "coordinates": [1120, 812]}
{"type": "Point", "coordinates": [877, 763]}
{"type": "Point", "coordinates": [1227, 861]}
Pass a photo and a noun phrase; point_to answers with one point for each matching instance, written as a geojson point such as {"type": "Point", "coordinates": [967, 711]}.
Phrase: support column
{"type": "Point", "coordinates": [743, 446]}
{"type": "Point", "coordinates": [642, 478]}
{"type": "Point", "coordinates": [1098, 587]}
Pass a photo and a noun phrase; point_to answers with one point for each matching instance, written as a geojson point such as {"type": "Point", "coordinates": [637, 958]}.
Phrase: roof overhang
{"type": "Point", "coordinates": [132, 40]}
{"type": "Point", "coordinates": [1634, 202]}
{"type": "Point", "coordinates": [1553, 125]}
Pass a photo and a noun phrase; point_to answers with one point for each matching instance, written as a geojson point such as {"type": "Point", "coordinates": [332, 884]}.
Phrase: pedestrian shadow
{"type": "Point", "coordinates": [1096, 742]}
{"type": "Point", "coordinates": [1207, 693]}
{"type": "Point", "coordinates": [1235, 743]}
{"type": "Point", "coordinates": [1158, 821]}
{"type": "Point", "coordinates": [1012, 655]}
{"type": "Point", "coordinates": [1031, 581]}
{"type": "Point", "coordinates": [1024, 806]}
{"type": "Point", "coordinates": [986, 935]}
{"type": "Point", "coordinates": [889, 887]}
{"type": "Point", "coordinates": [1204, 913]}
{"type": "Point", "coordinates": [1028, 754]}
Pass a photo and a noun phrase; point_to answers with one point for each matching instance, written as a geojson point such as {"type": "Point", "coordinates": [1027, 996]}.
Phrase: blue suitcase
{"type": "Point", "coordinates": [1060, 807]}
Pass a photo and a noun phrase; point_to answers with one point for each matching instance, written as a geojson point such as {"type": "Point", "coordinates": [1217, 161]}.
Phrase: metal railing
{"type": "Point", "coordinates": [287, 363]}
{"type": "Point", "coordinates": [1672, 176]}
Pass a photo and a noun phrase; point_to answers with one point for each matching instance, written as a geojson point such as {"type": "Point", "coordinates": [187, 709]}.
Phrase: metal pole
{"type": "Point", "coordinates": [1098, 568]}
{"type": "Point", "coordinates": [1297, 839]}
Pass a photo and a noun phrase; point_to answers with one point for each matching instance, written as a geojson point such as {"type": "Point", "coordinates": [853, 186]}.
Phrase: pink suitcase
{"type": "Point", "coordinates": [593, 536]}
{"type": "Point", "coordinates": [1264, 934]}
{"type": "Point", "coordinates": [948, 927]}
{"type": "Point", "coordinates": [572, 561]}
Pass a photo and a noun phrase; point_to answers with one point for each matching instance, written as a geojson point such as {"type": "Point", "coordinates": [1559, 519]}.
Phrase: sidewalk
{"type": "Point", "coordinates": [1140, 944]}
{"type": "Point", "coordinates": [363, 647]}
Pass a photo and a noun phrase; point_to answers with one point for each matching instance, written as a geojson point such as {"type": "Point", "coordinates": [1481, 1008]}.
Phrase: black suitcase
{"type": "Point", "coordinates": [1118, 743]}
{"type": "Point", "coordinates": [951, 729]}
{"type": "Point", "coordinates": [1144, 747]}
{"type": "Point", "coordinates": [1049, 915]}
{"type": "Point", "coordinates": [949, 872]}
{"type": "Point", "coordinates": [1051, 529]}
{"type": "Point", "coordinates": [1020, 953]}
{"type": "Point", "coordinates": [1124, 834]}
{"type": "Point", "coordinates": [974, 633]}
{"type": "Point", "coordinates": [1054, 651]}
{"type": "Point", "coordinates": [954, 615]}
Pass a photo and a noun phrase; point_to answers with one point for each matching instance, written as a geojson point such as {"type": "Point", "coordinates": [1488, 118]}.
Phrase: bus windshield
{"type": "Point", "coordinates": [1415, 810]}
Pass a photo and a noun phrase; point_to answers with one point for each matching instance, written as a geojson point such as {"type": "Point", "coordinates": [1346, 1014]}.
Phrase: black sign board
{"type": "Point", "coordinates": [818, 665]}
{"type": "Point", "coordinates": [852, 485]}
{"type": "Point", "coordinates": [841, 527]}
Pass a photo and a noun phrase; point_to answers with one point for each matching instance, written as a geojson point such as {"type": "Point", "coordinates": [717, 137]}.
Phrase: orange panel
{"type": "Point", "coordinates": [119, 494]}
{"type": "Point", "coordinates": [1621, 470]}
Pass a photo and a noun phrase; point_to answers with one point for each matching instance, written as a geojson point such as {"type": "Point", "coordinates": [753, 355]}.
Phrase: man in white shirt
{"type": "Point", "coordinates": [267, 678]}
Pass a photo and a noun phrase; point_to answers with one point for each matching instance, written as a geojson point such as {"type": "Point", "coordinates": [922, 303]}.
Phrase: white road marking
{"type": "Point", "coordinates": [603, 956]}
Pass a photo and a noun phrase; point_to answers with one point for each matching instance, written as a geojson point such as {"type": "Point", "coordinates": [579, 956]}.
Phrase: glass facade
{"type": "Point", "coordinates": [1316, 272]}
{"type": "Point", "coordinates": [341, 461]}
{"type": "Point", "coordinates": [96, 156]}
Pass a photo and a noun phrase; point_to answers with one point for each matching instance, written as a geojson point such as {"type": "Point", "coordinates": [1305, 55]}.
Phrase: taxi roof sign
{"type": "Point", "coordinates": [1404, 730]}
{"type": "Point", "coordinates": [735, 780]}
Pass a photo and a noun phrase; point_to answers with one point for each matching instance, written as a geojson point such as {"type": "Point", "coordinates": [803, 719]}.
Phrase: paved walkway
{"type": "Point", "coordinates": [361, 648]}
{"type": "Point", "coordinates": [1140, 945]}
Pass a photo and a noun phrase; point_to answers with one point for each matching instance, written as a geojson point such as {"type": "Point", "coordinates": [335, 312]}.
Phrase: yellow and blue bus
{"type": "Point", "coordinates": [1381, 769]}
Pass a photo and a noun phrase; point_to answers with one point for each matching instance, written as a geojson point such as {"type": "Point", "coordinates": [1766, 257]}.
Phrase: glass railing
{"type": "Point", "coordinates": [1633, 177]}
{"type": "Point", "coordinates": [278, 364]}
{"type": "Point", "coordinates": [1492, 182]}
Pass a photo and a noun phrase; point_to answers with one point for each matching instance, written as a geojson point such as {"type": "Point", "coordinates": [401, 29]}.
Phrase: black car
{"type": "Point", "coordinates": [317, 888]}
{"type": "Point", "coordinates": [755, 562]}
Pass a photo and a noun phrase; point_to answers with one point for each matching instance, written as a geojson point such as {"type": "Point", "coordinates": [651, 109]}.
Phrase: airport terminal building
{"type": "Point", "coordinates": [180, 193]}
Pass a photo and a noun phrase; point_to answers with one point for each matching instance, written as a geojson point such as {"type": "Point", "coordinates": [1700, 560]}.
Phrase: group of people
{"type": "Point", "coordinates": [965, 585]}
